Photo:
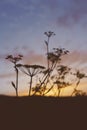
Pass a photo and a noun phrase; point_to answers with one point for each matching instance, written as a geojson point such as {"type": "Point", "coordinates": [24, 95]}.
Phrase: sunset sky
{"type": "Point", "coordinates": [22, 27]}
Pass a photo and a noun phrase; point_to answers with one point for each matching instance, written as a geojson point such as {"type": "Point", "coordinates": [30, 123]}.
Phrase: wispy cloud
{"type": "Point", "coordinates": [75, 13]}
{"type": "Point", "coordinates": [6, 75]}
{"type": "Point", "coordinates": [32, 57]}
{"type": "Point", "coordinates": [78, 59]}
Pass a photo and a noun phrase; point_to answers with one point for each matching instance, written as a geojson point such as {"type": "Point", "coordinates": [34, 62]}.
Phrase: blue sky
{"type": "Point", "coordinates": [22, 27]}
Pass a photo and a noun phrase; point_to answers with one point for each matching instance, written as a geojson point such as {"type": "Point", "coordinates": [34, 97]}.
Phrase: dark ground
{"type": "Point", "coordinates": [43, 113]}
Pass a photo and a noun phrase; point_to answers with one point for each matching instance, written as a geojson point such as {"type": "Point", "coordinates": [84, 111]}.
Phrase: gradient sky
{"type": "Point", "coordinates": [22, 27]}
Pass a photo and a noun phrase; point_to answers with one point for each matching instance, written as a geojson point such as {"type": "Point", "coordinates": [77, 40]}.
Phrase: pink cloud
{"type": "Point", "coordinates": [76, 57]}
{"type": "Point", "coordinates": [32, 57]}
{"type": "Point", "coordinates": [29, 57]}
{"type": "Point", "coordinates": [8, 75]}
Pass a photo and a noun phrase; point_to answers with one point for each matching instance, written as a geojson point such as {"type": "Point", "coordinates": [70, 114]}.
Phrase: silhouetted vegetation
{"type": "Point", "coordinates": [79, 77]}
{"type": "Point", "coordinates": [15, 60]}
{"type": "Point", "coordinates": [49, 35]}
{"type": "Point", "coordinates": [31, 71]}
{"type": "Point", "coordinates": [60, 78]}
{"type": "Point", "coordinates": [52, 76]}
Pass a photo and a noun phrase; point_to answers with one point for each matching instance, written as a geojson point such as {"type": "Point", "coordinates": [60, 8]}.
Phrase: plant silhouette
{"type": "Point", "coordinates": [53, 76]}
{"type": "Point", "coordinates": [49, 34]}
{"type": "Point", "coordinates": [31, 71]}
{"type": "Point", "coordinates": [62, 71]}
{"type": "Point", "coordinates": [79, 76]}
{"type": "Point", "coordinates": [54, 60]}
{"type": "Point", "coordinates": [79, 93]}
{"type": "Point", "coordinates": [15, 60]}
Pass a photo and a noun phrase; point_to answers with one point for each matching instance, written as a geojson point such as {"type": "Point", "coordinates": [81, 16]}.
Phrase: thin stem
{"type": "Point", "coordinates": [58, 91]}
{"type": "Point", "coordinates": [16, 92]}
{"type": "Point", "coordinates": [30, 86]}
{"type": "Point", "coordinates": [48, 54]}
{"type": "Point", "coordinates": [42, 82]}
{"type": "Point", "coordinates": [75, 87]}
{"type": "Point", "coordinates": [16, 81]}
{"type": "Point", "coordinates": [49, 89]}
